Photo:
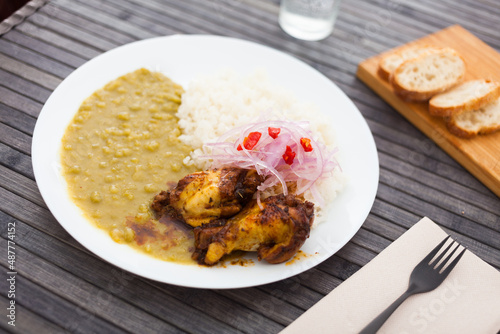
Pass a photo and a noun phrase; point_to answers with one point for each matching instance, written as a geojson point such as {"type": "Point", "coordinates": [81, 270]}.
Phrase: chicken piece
{"type": "Point", "coordinates": [276, 232]}
{"type": "Point", "coordinates": [204, 196]}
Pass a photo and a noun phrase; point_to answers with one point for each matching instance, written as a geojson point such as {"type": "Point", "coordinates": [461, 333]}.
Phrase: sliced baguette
{"type": "Point", "coordinates": [471, 123]}
{"type": "Point", "coordinates": [470, 95]}
{"type": "Point", "coordinates": [421, 78]}
{"type": "Point", "coordinates": [391, 61]}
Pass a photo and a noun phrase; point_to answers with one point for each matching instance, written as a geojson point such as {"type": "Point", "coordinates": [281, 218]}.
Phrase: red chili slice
{"type": "Point", "coordinates": [289, 155]}
{"type": "Point", "coordinates": [306, 144]}
{"type": "Point", "coordinates": [273, 132]}
{"type": "Point", "coordinates": [250, 141]}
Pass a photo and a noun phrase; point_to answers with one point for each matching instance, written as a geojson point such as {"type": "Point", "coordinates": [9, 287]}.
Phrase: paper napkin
{"type": "Point", "coordinates": [468, 301]}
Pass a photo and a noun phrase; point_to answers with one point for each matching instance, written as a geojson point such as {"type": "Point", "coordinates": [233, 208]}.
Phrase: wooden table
{"type": "Point", "coordinates": [60, 286]}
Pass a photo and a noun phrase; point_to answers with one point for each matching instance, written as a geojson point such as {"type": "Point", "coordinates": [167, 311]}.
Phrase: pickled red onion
{"type": "Point", "coordinates": [266, 157]}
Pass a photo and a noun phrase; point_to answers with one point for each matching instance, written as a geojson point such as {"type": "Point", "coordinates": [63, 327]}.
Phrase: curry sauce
{"type": "Point", "coordinates": [120, 149]}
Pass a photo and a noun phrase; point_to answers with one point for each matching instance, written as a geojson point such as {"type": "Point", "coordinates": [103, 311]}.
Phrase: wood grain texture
{"type": "Point", "coordinates": [65, 288]}
{"type": "Point", "coordinates": [480, 155]}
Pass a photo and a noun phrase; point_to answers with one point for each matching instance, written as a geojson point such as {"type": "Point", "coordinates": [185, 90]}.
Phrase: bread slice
{"type": "Point", "coordinates": [481, 121]}
{"type": "Point", "coordinates": [470, 95]}
{"type": "Point", "coordinates": [391, 61]}
{"type": "Point", "coordinates": [421, 78]}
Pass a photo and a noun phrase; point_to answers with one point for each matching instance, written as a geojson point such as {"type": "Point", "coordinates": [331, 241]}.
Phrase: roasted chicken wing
{"type": "Point", "coordinates": [204, 196]}
{"type": "Point", "coordinates": [276, 232]}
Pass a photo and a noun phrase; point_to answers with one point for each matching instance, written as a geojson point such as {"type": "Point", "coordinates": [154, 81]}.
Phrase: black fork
{"type": "Point", "coordinates": [424, 278]}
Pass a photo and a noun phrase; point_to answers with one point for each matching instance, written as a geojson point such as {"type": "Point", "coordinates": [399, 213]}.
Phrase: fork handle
{"type": "Point", "coordinates": [376, 323]}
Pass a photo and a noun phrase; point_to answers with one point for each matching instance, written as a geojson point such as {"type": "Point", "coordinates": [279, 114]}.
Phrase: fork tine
{"type": "Point", "coordinates": [429, 257]}
{"type": "Point", "coordinates": [445, 261]}
{"type": "Point", "coordinates": [453, 264]}
{"type": "Point", "coordinates": [440, 256]}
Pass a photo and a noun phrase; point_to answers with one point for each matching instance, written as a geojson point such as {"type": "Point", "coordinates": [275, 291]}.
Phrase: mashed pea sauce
{"type": "Point", "coordinates": [122, 148]}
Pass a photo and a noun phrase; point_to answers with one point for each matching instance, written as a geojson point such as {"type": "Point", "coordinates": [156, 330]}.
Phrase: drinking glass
{"type": "Point", "coordinates": [310, 20]}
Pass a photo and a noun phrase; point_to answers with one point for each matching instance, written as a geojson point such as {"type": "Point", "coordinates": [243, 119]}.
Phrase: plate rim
{"type": "Point", "coordinates": [45, 195]}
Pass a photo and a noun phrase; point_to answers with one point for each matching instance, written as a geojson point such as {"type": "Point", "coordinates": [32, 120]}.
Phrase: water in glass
{"type": "Point", "coordinates": [308, 19]}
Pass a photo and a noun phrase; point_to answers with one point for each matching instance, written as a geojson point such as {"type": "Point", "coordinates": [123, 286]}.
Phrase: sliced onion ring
{"type": "Point", "coordinates": [267, 155]}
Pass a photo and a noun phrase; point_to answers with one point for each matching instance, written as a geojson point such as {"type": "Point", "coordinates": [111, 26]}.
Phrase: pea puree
{"type": "Point", "coordinates": [120, 149]}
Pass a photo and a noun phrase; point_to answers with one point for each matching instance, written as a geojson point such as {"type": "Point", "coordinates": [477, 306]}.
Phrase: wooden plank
{"type": "Point", "coordinates": [381, 31]}
{"type": "Point", "coordinates": [134, 17]}
{"type": "Point", "coordinates": [34, 59]}
{"type": "Point", "coordinates": [356, 254]}
{"type": "Point", "coordinates": [454, 224]}
{"type": "Point", "coordinates": [213, 304]}
{"type": "Point", "coordinates": [16, 161]}
{"type": "Point", "coordinates": [381, 227]}
{"type": "Point", "coordinates": [55, 309]}
{"type": "Point", "coordinates": [39, 46]}
{"type": "Point", "coordinates": [301, 297]}
{"type": "Point", "coordinates": [20, 185]}
{"type": "Point", "coordinates": [399, 218]}
{"type": "Point", "coordinates": [490, 3]}
{"type": "Point", "coordinates": [112, 21]}
{"type": "Point", "coordinates": [314, 279]}
{"type": "Point", "coordinates": [28, 88]}
{"type": "Point", "coordinates": [467, 12]}
{"type": "Point", "coordinates": [29, 73]}
{"type": "Point", "coordinates": [86, 24]}
{"type": "Point", "coordinates": [412, 141]}
{"type": "Point", "coordinates": [453, 173]}
{"type": "Point", "coordinates": [149, 15]}
{"type": "Point", "coordinates": [263, 304]}
{"type": "Point", "coordinates": [72, 32]}
{"type": "Point", "coordinates": [55, 39]}
{"type": "Point", "coordinates": [408, 21]}
{"type": "Point", "coordinates": [19, 101]}
{"type": "Point", "coordinates": [455, 195]}
{"type": "Point", "coordinates": [370, 241]}
{"type": "Point", "coordinates": [17, 119]}
{"type": "Point", "coordinates": [34, 215]}
{"type": "Point", "coordinates": [31, 322]}
{"type": "Point", "coordinates": [15, 138]}
{"type": "Point", "coordinates": [339, 267]}
{"type": "Point", "coordinates": [478, 155]}
{"type": "Point", "coordinates": [454, 213]}
{"type": "Point", "coordinates": [392, 215]}
{"type": "Point", "coordinates": [448, 17]}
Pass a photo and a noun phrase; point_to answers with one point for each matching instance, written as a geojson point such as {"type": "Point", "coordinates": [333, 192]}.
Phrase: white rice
{"type": "Point", "coordinates": [215, 104]}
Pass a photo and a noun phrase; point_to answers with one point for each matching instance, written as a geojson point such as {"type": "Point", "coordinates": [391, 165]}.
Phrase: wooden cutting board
{"type": "Point", "coordinates": [479, 155]}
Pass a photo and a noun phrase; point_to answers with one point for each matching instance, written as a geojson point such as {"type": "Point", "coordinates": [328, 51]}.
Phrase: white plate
{"type": "Point", "coordinates": [183, 58]}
